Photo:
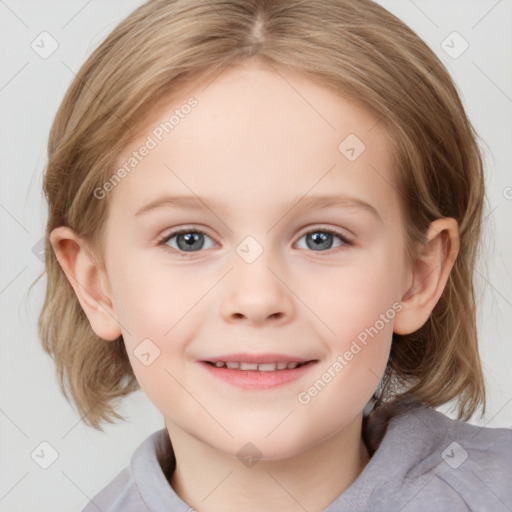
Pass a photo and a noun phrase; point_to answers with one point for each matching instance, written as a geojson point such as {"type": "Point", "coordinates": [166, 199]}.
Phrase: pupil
{"type": "Point", "coordinates": [190, 240]}
{"type": "Point", "coordinates": [319, 239]}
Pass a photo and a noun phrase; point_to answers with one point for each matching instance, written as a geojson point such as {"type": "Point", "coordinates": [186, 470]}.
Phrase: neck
{"type": "Point", "coordinates": [210, 480]}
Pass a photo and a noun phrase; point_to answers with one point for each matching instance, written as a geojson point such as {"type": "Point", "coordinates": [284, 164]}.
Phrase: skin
{"type": "Point", "coordinates": [253, 142]}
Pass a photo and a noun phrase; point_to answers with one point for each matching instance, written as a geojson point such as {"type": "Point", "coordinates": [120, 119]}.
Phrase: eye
{"type": "Point", "coordinates": [187, 240]}
{"type": "Point", "coordinates": [322, 239]}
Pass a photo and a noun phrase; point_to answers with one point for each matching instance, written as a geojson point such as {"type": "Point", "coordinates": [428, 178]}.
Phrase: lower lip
{"type": "Point", "coordinates": [256, 380]}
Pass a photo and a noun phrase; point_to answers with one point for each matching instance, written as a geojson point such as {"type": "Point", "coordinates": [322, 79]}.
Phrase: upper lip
{"type": "Point", "coordinates": [258, 358]}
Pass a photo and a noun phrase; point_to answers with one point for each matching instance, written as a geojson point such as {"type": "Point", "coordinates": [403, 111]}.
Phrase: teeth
{"type": "Point", "coordinates": [262, 367]}
{"type": "Point", "coordinates": [248, 366]}
{"type": "Point", "coordinates": [268, 367]}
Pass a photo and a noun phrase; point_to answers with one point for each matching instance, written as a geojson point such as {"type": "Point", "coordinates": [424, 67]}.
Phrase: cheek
{"type": "Point", "coordinates": [361, 324]}
{"type": "Point", "coordinates": [158, 315]}
{"type": "Point", "coordinates": [359, 311]}
{"type": "Point", "coordinates": [148, 302]}
{"type": "Point", "coordinates": [362, 343]}
{"type": "Point", "coordinates": [356, 299]}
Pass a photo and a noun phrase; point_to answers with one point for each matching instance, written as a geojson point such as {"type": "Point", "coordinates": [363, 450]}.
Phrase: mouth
{"type": "Point", "coordinates": [258, 372]}
{"type": "Point", "coordinates": [260, 367]}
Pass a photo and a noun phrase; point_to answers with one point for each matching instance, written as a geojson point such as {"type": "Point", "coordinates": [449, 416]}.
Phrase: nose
{"type": "Point", "coordinates": [256, 294]}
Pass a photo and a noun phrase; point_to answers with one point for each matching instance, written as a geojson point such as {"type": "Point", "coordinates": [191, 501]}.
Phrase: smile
{"type": "Point", "coordinates": [261, 367]}
{"type": "Point", "coordinates": [258, 372]}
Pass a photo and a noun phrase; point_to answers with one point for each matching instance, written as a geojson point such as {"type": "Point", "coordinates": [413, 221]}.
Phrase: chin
{"type": "Point", "coordinates": [282, 444]}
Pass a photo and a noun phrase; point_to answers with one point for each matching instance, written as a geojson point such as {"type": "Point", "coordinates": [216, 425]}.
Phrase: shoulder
{"type": "Point", "coordinates": [141, 484]}
{"type": "Point", "coordinates": [455, 461]}
{"type": "Point", "coordinates": [120, 494]}
{"type": "Point", "coordinates": [458, 444]}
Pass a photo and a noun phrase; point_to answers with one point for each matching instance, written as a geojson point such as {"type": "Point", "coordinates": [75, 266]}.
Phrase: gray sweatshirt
{"type": "Point", "coordinates": [425, 462]}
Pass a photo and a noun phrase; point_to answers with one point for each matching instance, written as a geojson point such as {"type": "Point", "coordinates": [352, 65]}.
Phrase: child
{"type": "Point", "coordinates": [291, 376]}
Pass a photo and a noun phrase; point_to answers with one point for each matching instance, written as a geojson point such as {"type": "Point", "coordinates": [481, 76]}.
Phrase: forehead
{"type": "Point", "coordinates": [252, 130]}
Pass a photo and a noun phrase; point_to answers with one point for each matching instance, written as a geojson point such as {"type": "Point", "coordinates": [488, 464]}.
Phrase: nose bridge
{"type": "Point", "coordinates": [256, 292]}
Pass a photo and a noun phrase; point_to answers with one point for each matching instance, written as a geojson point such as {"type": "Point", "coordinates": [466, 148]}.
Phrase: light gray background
{"type": "Point", "coordinates": [32, 409]}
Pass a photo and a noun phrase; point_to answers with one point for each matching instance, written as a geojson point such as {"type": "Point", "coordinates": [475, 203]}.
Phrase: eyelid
{"type": "Point", "coordinates": [165, 238]}
{"type": "Point", "coordinates": [178, 231]}
{"type": "Point", "coordinates": [347, 240]}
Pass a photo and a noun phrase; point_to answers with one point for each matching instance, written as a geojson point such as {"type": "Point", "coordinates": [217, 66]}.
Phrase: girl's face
{"type": "Point", "coordinates": [267, 269]}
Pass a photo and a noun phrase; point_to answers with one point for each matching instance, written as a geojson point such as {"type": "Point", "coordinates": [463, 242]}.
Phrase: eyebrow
{"type": "Point", "coordinates": [305, 203]}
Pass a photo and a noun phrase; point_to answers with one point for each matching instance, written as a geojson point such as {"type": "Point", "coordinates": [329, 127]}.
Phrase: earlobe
{"type": "Point", "coordinates": [88, 282]}
{"type": "Point", "coordinates": [429, 276]}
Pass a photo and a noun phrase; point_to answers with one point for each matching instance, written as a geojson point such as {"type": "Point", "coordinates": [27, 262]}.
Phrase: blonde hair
{"type": "Point", "coordinates": [356, 48]}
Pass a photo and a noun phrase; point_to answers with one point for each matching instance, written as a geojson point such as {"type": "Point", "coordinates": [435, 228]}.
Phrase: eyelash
{"type": "Point", "coordinates": [163, 240]}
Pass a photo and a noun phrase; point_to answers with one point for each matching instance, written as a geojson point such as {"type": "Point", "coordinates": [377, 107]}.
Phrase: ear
{"type": "Point", "coordinates": [428, 275]}
{"type": "Point", "coordinates": [89, 282]}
